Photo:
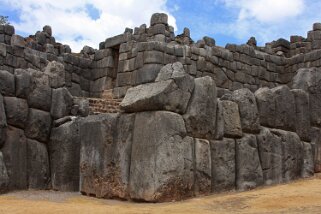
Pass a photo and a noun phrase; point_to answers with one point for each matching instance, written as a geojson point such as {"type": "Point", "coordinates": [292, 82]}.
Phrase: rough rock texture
{"type": "Point", "coordinates": [61, 103]}
{"type": "Point", "coordinates": [223, 164]}
{"type": "Point", "coordinates": [16, 111]}
{"type": "Point", "coordinates": [200, 117]}
{"type": "Point", "coordinates": [308, 164]}
{"type": "Point", "coordinates": [7, 87]}
{"type": "Point", "coordinates": [316, 142]}
{"type": "Point", "coordinates": [292, 155]}
{"type": "Point", "coordinates": [4, 178]}
{"type": "Point", "coordinates": [266, 106]}
{"type": "Point", "coordinates": [167, 163]}
{"type": "Point", "coordinates": [56, 73]}
{"type": "Point", "coordinates": [203, 169]}
{"type": "Point", "coordinates": [248, 109]}
{"type": "Point", "coordinates": [15, 158]}
{"type": "Point", "coordinates": [248, 167]}
{"type": "Point", "coordinates": [22, 82]}
{"type": "Point", "coordinates": [3, 122]}
{"type": "Point", "coordinates": [309, 80]}
{"type": "Point", "coordinates": [64, 151]}
{"type": "Point", "coordinates": [270, 151]}
{"type": "Point", "coordinates": [232, 122]}
{"type": "Point", "coordinates": [219, 126]}
{"type": "Point", "coordinates": [171, 91]}
{"type": "Point", "coordinates": [37, 165]}
{"type": "Point", "coordinates": [38, 125]}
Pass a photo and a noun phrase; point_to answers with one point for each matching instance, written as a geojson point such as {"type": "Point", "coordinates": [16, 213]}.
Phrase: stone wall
{"type": "Point", "coordinates": [189, 118]}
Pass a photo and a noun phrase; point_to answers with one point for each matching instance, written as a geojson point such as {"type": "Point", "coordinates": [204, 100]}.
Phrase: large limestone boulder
{"type": "Point", "coordinates": [64, 152]}
{"type": "Point", "coordinates": [56, 72]}
{"type": "Point", "coordinates": [61, 104]}
{"type": "Point", "coordinates": [166, 164]}
{"type": "Point", "coordinates": [292, 154]}
{"type": "Point", "coordinates": [309, 80]}
{"type": "Point", "coordinates": [200, 117]}
{"type": "Point", "coordinates": [248, 167]}
{"type": "Point", "coordinates": [171, 91]}
{"type": "Point", "coordinates": [38, 165]}
{"type": "Point", "coordinates": [219, 126]}
{"type": "Point", "coordinates": [39, 125]}
{"type": "Point", "coordinates": [16, 111]}
{"type": "Point", "coordinates": [23, 82]}
{"type": "Point", "coordinates": [7, 87]}
{"type": "Point", "coordinates": [15, 158]}
{"type": "Point", "coordinates": [316, 143]}
{"type": "Point", "coordinates": [248, 109]}
{"type": "Point", "coordinates": [106, 142]}
{"type": "Point", "coordinates": [308, 162]}
{"type": "Point", "coordinates": [266, 106]}
{"type": "Point", "coordinates": [4, 178]}
{"type": "Point", "coordinates": [271, 156]}
{"type": "Point", "coordinates": [223, 164]}
{"type": "Point", "coordinates": [232, 121]}
{"type": "Point", "coordinates": [203, 168]}
{"type": "Point", "coordinates": [3, 122]}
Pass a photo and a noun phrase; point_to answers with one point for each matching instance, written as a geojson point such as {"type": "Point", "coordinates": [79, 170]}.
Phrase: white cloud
{"type": "Point", "coordinates": [72, 23]}
{"type": "Point", "coordinates": [269, 20]}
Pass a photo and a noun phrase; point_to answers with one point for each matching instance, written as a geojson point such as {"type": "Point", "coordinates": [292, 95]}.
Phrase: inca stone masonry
{"type": "Point", "coordinates": [155, 117]}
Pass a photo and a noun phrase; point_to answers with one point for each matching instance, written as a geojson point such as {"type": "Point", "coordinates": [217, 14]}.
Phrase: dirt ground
{"type": "Point", "coordinates": [302, 196]}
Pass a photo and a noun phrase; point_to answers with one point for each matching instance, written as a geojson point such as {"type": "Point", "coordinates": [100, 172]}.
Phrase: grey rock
{"type": "Point", "coordinates": [22, 82]}
{"type": "Point", "coordinates": [80, 107]}
{"type": "Point", "coordinates": [62, 121]}
{"type": "Point", "coordinates": [38, 125]}
{"type": "Point", "coordinates": [147, 73]}
{"type": "Point", "coordinates": [56, 73]}
{"type": "Point", "coordinates": [18, 41]}
{"type": "Point", "coordinates": [232, 122]}
{"type": "Point", "coordinates": [15, 158]}
{"type": "Point", "coordinates": [248, 110]}
{"type": "Point", "coordinates": [223, 165]}
{"type": "Point", "coordinates": [316, 142]}
{"type": "Point", "coordinates": [40, 91]}
{"type": "Point", "coordinates": [219, 131]}
{"type": "Point", "coordinates": [309, 80]}
{"type": "Point", "coordinates": [209, 41]}
{"type": "Point", "coordinates": [308, 162]}
{"type": "Point", "coordinates": [38, 165]}
{"type": "Point", "coordinates": [64, 153]}
{"type": "Point", "coordinates": [167, 163]}
{"type": "Point", "coordinates": [292, 155]}
{"type": "Point", "coordinates": [47, 29]}
{"type": "Point", "coordinates": [200, 116]}
{"type": "Point", "coordinates": [61, 104]}
{"type": "Point", "coordinates": [248, 168]}
{"type": "Point", "coordinates": [4, 178]}
{"type": "Point", "coordinates": [16, 111]}
{"type": "Point", "coordinates": [271, 156]}
{"type": "Point", "coordinates": [302, 114]}
{"type": "Point", "coordinates": [203, 169]}
{"type": "Point", "coordinates": [316, 26]}
{"type": "Point", "coordinates": [7, 87]}
{"type": "Point", "coordinates": [170, 92]}
{"type": "Point", "coordinates": [3, 122]}
{"type": "Point", "coordinates": [159, 18]}
{"type": "Point", "coordinates": [266, 106]}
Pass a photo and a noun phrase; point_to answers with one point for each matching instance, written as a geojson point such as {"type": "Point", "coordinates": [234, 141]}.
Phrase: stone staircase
{"type": "Point", "coordinates": [105, 104]}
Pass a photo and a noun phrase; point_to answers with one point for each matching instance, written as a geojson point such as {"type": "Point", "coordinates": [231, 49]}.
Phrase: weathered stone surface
{"type": "Point", "coordinates": [292, 155]}
{"type": "Point", "coordinates": [15, 158]}
{"type": "Point", "coordinates": [37, 165]}
{"type": "Point", "coordinates": [61, 104]}
{"type": "Point", "coordinates": [96, 135]}
{"type": "Point", "coordinates": [56, 73]}
{"type": "Point", "coordinates": [270, 151]}
{"type": "Point", "coordinates": [219, 127]}
{"type": "Point", "coordinates": [22, 82]}
{"type": "Point", "coordinates": [200, 116]}
{"type": "Point", "coordinates": [40, 91]}
{"type": "Point", "coordinates": [38, 125]}
{"type": "Point", "coordinates": [223, 165]}
{"type": "Point", "coordinates": [7, 86]}
{"type": "Point", "coordinates": [4, 178]}
{"type": "Point", "coordinates": [316, 142]}
{"type": "Point", "coordinates": [64, 151]}
{"type": "Point", "coordinates": [248, 109]}
{"type": "Point", "coordinates": [16, 111]}
{"type": "Point", "coordinates": [203, 169]}
{"type": "Point", "coordinates": [285, 108]}
{"type": "Point", "coordinates": [232, 122]}
{"type": "Point", "coordinates": [309, 80]}
{"type": "Point", "coordinates": [147, 73]}
{"type": "Point", "coordinates": [266, 106]}
{"type": "Point", "coordinates": [302, 114]}
{"type": "Point", "coordinates": [308, 162]}
{"type": "Point", "coordinates": [248, 167]}
{"type": "Point", "coordinates": [159, 18]}
{"type": "Point", "coordinates": [80, 107]}
{"type": "Point", "coordinates": [3, 122]}
{"type": "Point", "coordinates": [18, 41]}
{"type": "Point", "coordinates": [167, 166]}
{"type": "Point", "coordinates": [171, 91]}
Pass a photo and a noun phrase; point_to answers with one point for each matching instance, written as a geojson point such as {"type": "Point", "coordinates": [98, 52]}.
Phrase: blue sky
{"type": "Point", "coordinates": [88, 22]}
